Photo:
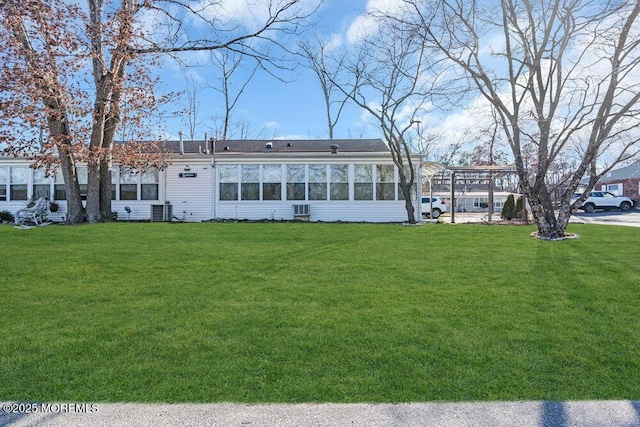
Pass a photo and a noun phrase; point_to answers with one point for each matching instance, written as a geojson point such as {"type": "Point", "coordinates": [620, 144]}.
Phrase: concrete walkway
{"type": "Point", "coordinates": [495, 414]}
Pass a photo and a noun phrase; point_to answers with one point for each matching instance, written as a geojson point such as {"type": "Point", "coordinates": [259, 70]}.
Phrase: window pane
{"type": "Point", "coordinates": [250, 173]}
{"type": "Point", "coordinates": [363, 173]}
{"type": "Point", "coordinates": [271, 182]}
{"type": "Point", "coordinates": [339, 182]}
{"type": "Point", "coordinates": [317, 191]}
{"type": "Point", "coordinates": [317, 173]}
{"type": "Point", "coordinates": [128, 175]}
{"type": "Point", "coordinates": [19, 175]}
{"type": "Point", "coordinates": [384, 173]}
{"type": "Point", "coordinates": [150, 177]}
{"type": "Point", "coordinates": [385, 191]}
{"type": "Point", "coordinates": [250, 191]}
{"type": "Point", "coordinates": [295, 191]}
{"type": "Point", "coordinates": [59, 192]}
{"type": "Point", "coordinates": [3, 184]}
{"type": "Point", "coordinates": [228, 173]}
{"type": "Point", "coordinates": [271, 173]}
{"type": "Point", "coordinates": [271, 191]}
{"type": "Point", "coordinates": [339, 191]}
{"type": "Point", "coordinates": [128, 191]}
{"type": "Point", "coordinates": [41, 187]}
{"type": "Point", "coordinates": [295, 182]}
{"type": "Point", "coordinates": [149, 192]}
{"type": "Point", "coordinates": [41, 190]}
{"type": "Point", "coordinates": [339, 173]}
{"type": "Point", "coordinates": [362, 191]}
{"type": "Point", "coordinates": [295, 173]}
{"type": "Point", "coordinates": [18, 186]}
{"type": "Point", "coordinates": [228, 191]}
{"type": "Point", "coordinates": [317, 182]}
{"type": "Point", "coordinates": [83, 175]}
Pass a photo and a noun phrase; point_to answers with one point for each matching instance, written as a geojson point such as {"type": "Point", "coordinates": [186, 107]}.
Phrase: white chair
{"type": "Point", "coordinates": [36, 213]}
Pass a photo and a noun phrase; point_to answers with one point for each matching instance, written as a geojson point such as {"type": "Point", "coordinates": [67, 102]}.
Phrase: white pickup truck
{"type": "Point", "coordinates": [603, 200]}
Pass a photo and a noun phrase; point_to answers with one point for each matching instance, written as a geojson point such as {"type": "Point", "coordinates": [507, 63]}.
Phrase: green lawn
{"type": "Point", "coordinates": [270, 312]}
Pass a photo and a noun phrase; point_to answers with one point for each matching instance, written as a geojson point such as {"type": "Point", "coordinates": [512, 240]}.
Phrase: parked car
{"type": "Point", "coordinates": [439, 206]}
{"type": "Point", "coordinates": [603, 200]}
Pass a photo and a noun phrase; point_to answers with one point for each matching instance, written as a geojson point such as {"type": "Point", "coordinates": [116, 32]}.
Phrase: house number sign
{"type": "Point", "coordinates": [188, 175]}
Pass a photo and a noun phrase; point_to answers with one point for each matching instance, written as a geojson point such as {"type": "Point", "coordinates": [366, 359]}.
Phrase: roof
{"type": "Point", "coordinates": [279, 146]}
{"type": "Point", "coordinates": [631, 171]}
{"type": "Point", "coordinates": [627, 172]}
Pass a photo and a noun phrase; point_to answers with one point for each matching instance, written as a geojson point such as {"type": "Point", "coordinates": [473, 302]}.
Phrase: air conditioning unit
{"type": "Point", "coordinates": [301, 212]}
{"type": "Point", "coordinates": [160, 213]}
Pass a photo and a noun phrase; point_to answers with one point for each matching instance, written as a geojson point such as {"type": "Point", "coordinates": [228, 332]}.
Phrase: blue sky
{"type": "Point", "coordinates": [291, 109]}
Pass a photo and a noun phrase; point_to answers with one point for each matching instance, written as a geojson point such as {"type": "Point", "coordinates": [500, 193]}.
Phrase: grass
{"type": "Point", "coordinates": [317, 312]}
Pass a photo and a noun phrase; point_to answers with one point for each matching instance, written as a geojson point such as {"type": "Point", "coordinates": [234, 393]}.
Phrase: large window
{"type": "Point", "coordinates": [58, 186]}
{"type": "Point", "coordinates": [228, 182]}
{"type": "Point", "coordinates": [3, 184]}
{"type": "Point", "coordinates": [339, 186]}
{"type": "Point", "coordinates": [295, 182]}
{"type": "Point", "coordinates": [128, 183]}
{"type": "Point", "coordinates": [385, 185]}
{"type": "Point", "coordinates": [271, 182]}
{"type": "Point", "coordinates": [18, 183]}
{"type": "Point", "coordinates": [41, 184]}
{"type": "Point", "coordinates": [317, 182]}
{"type": "Point", "coordinates": [250, 185]}
{"type": "Point", "coordinates": [83, 180]}
{"type": "Point", "coordinates": [480, 202]}
{"type": "Point", "coordinates": [363, 182]}
{"type": "Point", "coordinates": [149, 185]}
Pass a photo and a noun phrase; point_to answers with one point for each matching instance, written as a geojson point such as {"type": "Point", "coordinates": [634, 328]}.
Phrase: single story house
{"type": "Point", "coordinates": [351, 180]}
{"type": "Point", "coordinates": [472, 197]}
{"type": "Point", "coordinates": [624, 181]}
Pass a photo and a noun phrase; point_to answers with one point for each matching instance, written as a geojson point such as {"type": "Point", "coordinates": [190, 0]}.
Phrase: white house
{"type": "Point", "coordinates": [318, 180]}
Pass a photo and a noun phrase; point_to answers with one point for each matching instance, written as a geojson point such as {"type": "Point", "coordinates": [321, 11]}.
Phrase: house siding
{"type": "Point", "coordinates": [190, 197]}
{"type": "Point", "coordinates": [630, 188]}
{"type": "Point", "coordinates": [191, 182]}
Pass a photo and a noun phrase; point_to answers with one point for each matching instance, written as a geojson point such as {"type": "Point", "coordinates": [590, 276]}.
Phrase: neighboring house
{"type": "Point", "coordinates": [321, 180]}
{"type": "Point", "coordinates": [621, 182]}
{"type": "Point", "coordinates": [472, 197]}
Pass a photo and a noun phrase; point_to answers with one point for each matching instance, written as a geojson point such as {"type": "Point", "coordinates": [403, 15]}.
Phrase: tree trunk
{"type": "Point", "coordinates": [105, 190]}
{"type": "Point", "coordinates": [550, 226]}
{"type": "Point", "coordinates": [75, 210]}
{"type": "Point", "coordinates": [408, 203]}
{"type": "Point", "coordinates": [93, 192]}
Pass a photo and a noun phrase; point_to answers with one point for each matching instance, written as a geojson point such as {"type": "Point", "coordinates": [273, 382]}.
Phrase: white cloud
{"type": "Point", "coordinates": [364, 25]}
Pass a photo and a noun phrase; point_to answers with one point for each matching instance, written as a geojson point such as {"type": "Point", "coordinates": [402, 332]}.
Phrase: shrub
{"type": "Point", "coordinates": [6, 216]}
{"type": "Point", "coordinates": [508, 209]}
{"type": "Point", "coordinates": [517, 211]}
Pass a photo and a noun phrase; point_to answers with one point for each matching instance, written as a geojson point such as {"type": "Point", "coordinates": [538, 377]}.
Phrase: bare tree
{"type": "Point", "coordinates": [392, 79]}
{"type": "Point", "coordinates": [564, 74]}
{"type": "Point", "coordinates": [234, 78]}
{"type": "Point", "coordinates": [327, 68]}
{"type": "Point", "coordinates": [48, 46]}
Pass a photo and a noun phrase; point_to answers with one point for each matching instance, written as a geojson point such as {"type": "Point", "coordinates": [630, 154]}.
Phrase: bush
{"type": "Point", "coordinates": [6, 216]}
{"type": "Point", "coordinates": [508, 209]}
{"type": "Point", "coordinates": [517, 211]}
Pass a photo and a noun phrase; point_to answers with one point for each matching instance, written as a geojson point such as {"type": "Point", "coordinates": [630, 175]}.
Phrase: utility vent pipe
{"type": "Point", "coordinates": [181, 142]}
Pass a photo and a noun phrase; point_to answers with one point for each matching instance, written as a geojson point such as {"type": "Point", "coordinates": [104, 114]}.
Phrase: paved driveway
{"type": "Point", "coordinates": [629, 218]}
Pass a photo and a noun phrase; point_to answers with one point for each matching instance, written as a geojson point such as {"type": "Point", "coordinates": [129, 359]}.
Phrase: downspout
{"type": "Point", "coordinates": [214, 179]}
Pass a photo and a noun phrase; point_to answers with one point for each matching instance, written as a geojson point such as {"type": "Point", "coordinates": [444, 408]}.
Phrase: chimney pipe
{"type": "Point", "coordinates": [206, 143]}
{"type": "Point", "coordinates": [181, 142]}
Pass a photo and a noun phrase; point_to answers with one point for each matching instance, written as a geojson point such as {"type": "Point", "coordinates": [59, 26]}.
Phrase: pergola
{"type": "Point", "coordinates": [490, 172]}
